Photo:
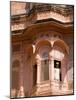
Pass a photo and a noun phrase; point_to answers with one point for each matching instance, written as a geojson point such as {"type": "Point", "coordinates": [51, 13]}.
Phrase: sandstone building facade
{"type": "Point", "coordinates": [42, 37]}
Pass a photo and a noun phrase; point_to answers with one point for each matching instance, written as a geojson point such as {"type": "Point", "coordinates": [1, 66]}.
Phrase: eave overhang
{"type": "Point", "coordinates": [43, 26]}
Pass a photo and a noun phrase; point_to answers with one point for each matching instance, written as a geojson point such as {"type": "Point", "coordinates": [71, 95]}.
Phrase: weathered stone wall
{"type": "Point", "coordinates": [69, 40]}
{"type": "Point", "coordinates": [25, 53]}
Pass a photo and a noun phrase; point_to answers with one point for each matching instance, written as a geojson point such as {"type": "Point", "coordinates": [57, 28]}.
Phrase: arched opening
{"type": "Point", "coordinates": [15, 78]}
{"type": "Point", "coordinates": [41, 43]}
{"type": "Point", "coordinates": [43, 48]}
{"type": "Point", "coordinates": [57, 56]}
{"type": "Point", "coordinates": [60, 53]}
{"type": "Point", "coordinates": [44, 54]}
{"type": "Point", "coordinates": [60, 43]}
{"type": "Point", "coordinates": [51, 62]}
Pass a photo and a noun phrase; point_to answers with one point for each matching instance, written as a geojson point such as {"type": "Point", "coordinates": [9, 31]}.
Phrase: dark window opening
{"type": "Point", "coordinates": [34, 74]}
{"type": "Point", "coordinates": [60, 76]}
{"type": "Point", "coordinates": [57, 65]}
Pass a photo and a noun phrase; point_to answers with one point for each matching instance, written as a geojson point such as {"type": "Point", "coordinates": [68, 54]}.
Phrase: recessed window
{"type": "Point", "coordinates": [45, 55]}
{"type": "Point", "coordinates": [57, 64]}
{"type": "Point", "coordinates": [45, 70]}
{"type": "Point", "coordinates": [34, 74]}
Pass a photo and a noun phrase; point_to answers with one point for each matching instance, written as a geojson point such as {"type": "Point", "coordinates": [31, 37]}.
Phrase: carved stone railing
{"type": "Point", "coordinates": [65, 10]}
{"type": "Point", "coordinates": [51, 88]}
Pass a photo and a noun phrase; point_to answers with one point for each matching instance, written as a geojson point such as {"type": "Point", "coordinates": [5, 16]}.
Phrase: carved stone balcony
{"type": "Point", "coordinates": [64, 10]}
{"type": "Point", "coordinates": [51, 88]}
{"type": "Point", "coordinates": [40, 13]}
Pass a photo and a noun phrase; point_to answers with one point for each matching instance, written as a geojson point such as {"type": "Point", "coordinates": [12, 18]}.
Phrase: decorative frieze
{"type": "Point", "coordinates": [19, 26]}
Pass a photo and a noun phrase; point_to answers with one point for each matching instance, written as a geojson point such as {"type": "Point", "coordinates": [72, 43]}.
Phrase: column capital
{"type": "Point", "coordinates": [38, 57]}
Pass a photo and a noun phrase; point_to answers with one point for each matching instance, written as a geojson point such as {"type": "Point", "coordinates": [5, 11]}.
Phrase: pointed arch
{"type": "Point", "coordinates": [61, 44]}
{"type": "Point", "coordinates": [42, 42]}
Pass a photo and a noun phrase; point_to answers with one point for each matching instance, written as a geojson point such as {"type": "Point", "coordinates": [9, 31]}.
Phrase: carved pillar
{"type": "Point", "coordinates": [51, 63]}
{"type": "Point", "coordinates": [21, 87]}
{"type": "Point", "coordinates": [38, 73]}
{"type": "Point", "coordinates": [38, 69]}
{"type": "Point", "coordinates": [52, 69]}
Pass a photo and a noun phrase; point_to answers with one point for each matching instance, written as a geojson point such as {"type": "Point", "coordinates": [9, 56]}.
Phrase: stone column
{"type": "Point", "coordinates": [51, 71]}
{"type": "Point", "coordinates": [38, 70]}
{"type": "Point", "coordinates": [38, 74]}
{"type": "Point", "coordinates": [21, 88]}
{"type": "Point", "coordinates": [51, 68]}
{"type": "Point", "coordinates": [21, 85]}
